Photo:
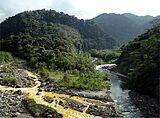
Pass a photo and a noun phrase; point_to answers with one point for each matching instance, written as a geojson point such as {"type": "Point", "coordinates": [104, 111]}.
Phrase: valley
{"type": "Point", "coordinates": [54, 65]}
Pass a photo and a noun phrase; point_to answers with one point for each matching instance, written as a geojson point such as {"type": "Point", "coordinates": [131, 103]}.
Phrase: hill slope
{"type": "Point", "coordinates": [140, 60]}
{"type": "Point", "coordinates": [91, 34]}
{"type": "Point", "coordinates": [53, 42]}
{"type": "Point", "coordinates": [123, 27]}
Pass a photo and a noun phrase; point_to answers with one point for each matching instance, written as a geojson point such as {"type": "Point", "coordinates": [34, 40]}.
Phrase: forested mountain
{"type": "Point", "coordinates": [54, 43]}
{"type": "Point", "coordinates": [140, 60]}
{"type": "Point", "coordinates": [92, 35]}
{"type": "Point", "coordinates": [123, 27]}
{"type": "Point", "coordinates": [140, 20]}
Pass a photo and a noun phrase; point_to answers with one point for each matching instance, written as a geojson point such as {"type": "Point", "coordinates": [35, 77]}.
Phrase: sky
{"type": "Point", "coordinates": [85, 9]}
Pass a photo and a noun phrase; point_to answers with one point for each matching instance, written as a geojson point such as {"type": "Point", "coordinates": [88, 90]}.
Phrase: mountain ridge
{"type": "Point", "coordinates": [123, 27]}
{"type": "Point", "coordinates": [87, 28]}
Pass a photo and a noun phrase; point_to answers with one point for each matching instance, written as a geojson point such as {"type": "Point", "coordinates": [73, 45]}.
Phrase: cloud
{"type": "Point", "coordinates": [11, 7]}
{"type": "Point", "coordinates": [95, 7]}
{"type": "Point", "coordinates": [81, 8]}
{"type": "Point", "coordinates": [62, 5]}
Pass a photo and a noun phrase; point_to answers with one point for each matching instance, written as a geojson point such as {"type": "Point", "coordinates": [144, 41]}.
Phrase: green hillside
{"type": "Point", "coordinates": [140, 60]}
{"type": "Point", "coordinates": [123, 27]}
{"type": "Point", "coordinates": [54, 43]}
{"type": "Point", "coordinates": [92, 35]}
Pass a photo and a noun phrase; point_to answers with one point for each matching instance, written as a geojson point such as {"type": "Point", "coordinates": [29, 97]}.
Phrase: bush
{"type": "Point", "coordinates": [8, 81]}
{"type": "Point", "coordinates": [109, 56]}
{"type": "Point", "coordinates": [140, 60]}
{"type": "Point", "coordinates": [5, 57]}
{"type": "Point", "coordinates": [81, 81]}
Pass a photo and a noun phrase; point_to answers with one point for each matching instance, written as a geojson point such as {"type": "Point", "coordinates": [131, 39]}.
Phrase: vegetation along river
{"type": "Point", "coordinates": [130, 103]}
{"type": "Point", "coordinates": [68, 105]}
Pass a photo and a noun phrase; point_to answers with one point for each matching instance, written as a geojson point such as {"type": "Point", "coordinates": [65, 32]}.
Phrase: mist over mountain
{"type": "Point", "coordinates": [123, 27]}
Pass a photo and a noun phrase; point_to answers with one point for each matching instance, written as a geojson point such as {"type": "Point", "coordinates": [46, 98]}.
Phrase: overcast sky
{"type": "Point", "coordinates": [85, 9]}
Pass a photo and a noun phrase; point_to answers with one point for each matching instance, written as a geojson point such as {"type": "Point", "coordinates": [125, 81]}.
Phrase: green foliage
{"type": "Point", "coordinates": [109, 56]}
{"type": "Point", "coordinates": [5, 57]}
{"type": "Point", "coordinates": [140, 60]}
{"type": "Point", "coordinates": [123, 27]}
{"type": "Point", "coordinates": [156, 21]}
{"type": "Point", "coordinates": [77, 80]}
{"type": "Point", "coordinates": [52, 40]}
{"type": "Point", "coordinates": [8, 81]}
{"type": "Point", "coordinates": [100, 62]}
{"type": "Point", "coordinates": [40, 22]}
{"type": "Point", "coordinates": [84, 64]}
{"type": "Point", "coordinates": [40, 111]}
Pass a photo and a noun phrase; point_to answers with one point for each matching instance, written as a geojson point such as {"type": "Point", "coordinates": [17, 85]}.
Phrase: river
{"type": "Point", "coordinates": [131, 104]}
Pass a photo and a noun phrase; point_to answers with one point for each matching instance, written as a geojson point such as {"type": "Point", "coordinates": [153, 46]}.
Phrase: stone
{"type": "Point", "coordinates": [19, 92]}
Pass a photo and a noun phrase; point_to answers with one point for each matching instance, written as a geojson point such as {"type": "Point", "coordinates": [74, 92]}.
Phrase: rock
{"type": "Point", "coordinates": [69, 103]}
{"type": "Point", "coordinates": [19, 92]}
{"type": "Point", "coordinates": [50, 116]}
{"type": "Point", "coordinates": [18, 86]}
{"type": "Point", "coordinates": [39, 89]}
{"type": "Point", "coordinates": [13, 115]}
{"type": "Point", "coordinates": [11, 105]}
{"type": "Point", "coordinates": [61, 103]}
{"type": "Point", "coordinates": [101, 111]}
{"type": "Point", "coordinates": [48, 99]}
{"type": "Point", "coordinates": [17, 113]}
{"type": "Point", "coordinates": [6, 113]}
{"type": "Point", "coordinates": [43, 84]}
{"type": "Point", "coordinates": [38, 93]}
{"type": "Point", "coordinates": [37, 114]}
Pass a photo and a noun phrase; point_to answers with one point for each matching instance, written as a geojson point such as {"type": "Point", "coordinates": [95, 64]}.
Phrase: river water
{"type": "Point", "coordinates": [130, 103]}
{"type": "Point", "coordinates": [120, 95]}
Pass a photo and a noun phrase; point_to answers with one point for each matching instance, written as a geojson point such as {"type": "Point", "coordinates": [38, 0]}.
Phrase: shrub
{"type": "Point", "coordinates": [5, 57]}
{"type": "Point", "coordinates": [82, 81]}
{"type": "Point", "coordinates": [109, 56]}
{"type": "Point", "coordinates": [8, 80]}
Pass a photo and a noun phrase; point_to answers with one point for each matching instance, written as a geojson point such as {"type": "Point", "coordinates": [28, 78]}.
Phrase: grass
{"type": "Point", "coordinates": [81, 81]}
{"type": "Point", "coordinates": [8, 80]}
{"type": "Point", "coordinates": [5, 57]}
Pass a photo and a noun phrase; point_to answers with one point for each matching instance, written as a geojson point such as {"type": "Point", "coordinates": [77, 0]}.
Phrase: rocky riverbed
{"type": "Point", "coordinates": [11, 105]}
{"type": "Point", "coordinates": [132, 104]}
{"type": "Point", "coordinates": [22, 80]}
{"type": "Point", "coordinates": [68, 102]}
{"type": "Point", "coordinates": [149, 106]}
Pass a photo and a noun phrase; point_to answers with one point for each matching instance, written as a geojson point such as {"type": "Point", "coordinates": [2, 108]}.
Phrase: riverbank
{"type": "Point", "coordinates": [131, 104]}
{"type": "Point", "coordinates": [68, 102]}
{"type": "Point", "coordinates": [149, 106]}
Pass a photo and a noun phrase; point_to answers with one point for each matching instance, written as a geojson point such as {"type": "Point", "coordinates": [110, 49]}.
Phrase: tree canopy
{"type": "Point", "coordinates": [140, 60]}
{"type": "Point", "coordinates": [38, 22]}
{"type": "Point", "coordinates": [54, 41]}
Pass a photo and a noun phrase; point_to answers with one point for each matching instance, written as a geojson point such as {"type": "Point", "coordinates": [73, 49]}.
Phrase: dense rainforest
{"type": "Point", "coordinates": [92, 35]}
{"type": "Point", "coordinates": [106, 56]}
{"type": "Point", "coordinates": [123, 27]}
{"type": "Point", "coordinates": [140, 60]}
{"type": "Point", "coordinates": [54, 43]}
